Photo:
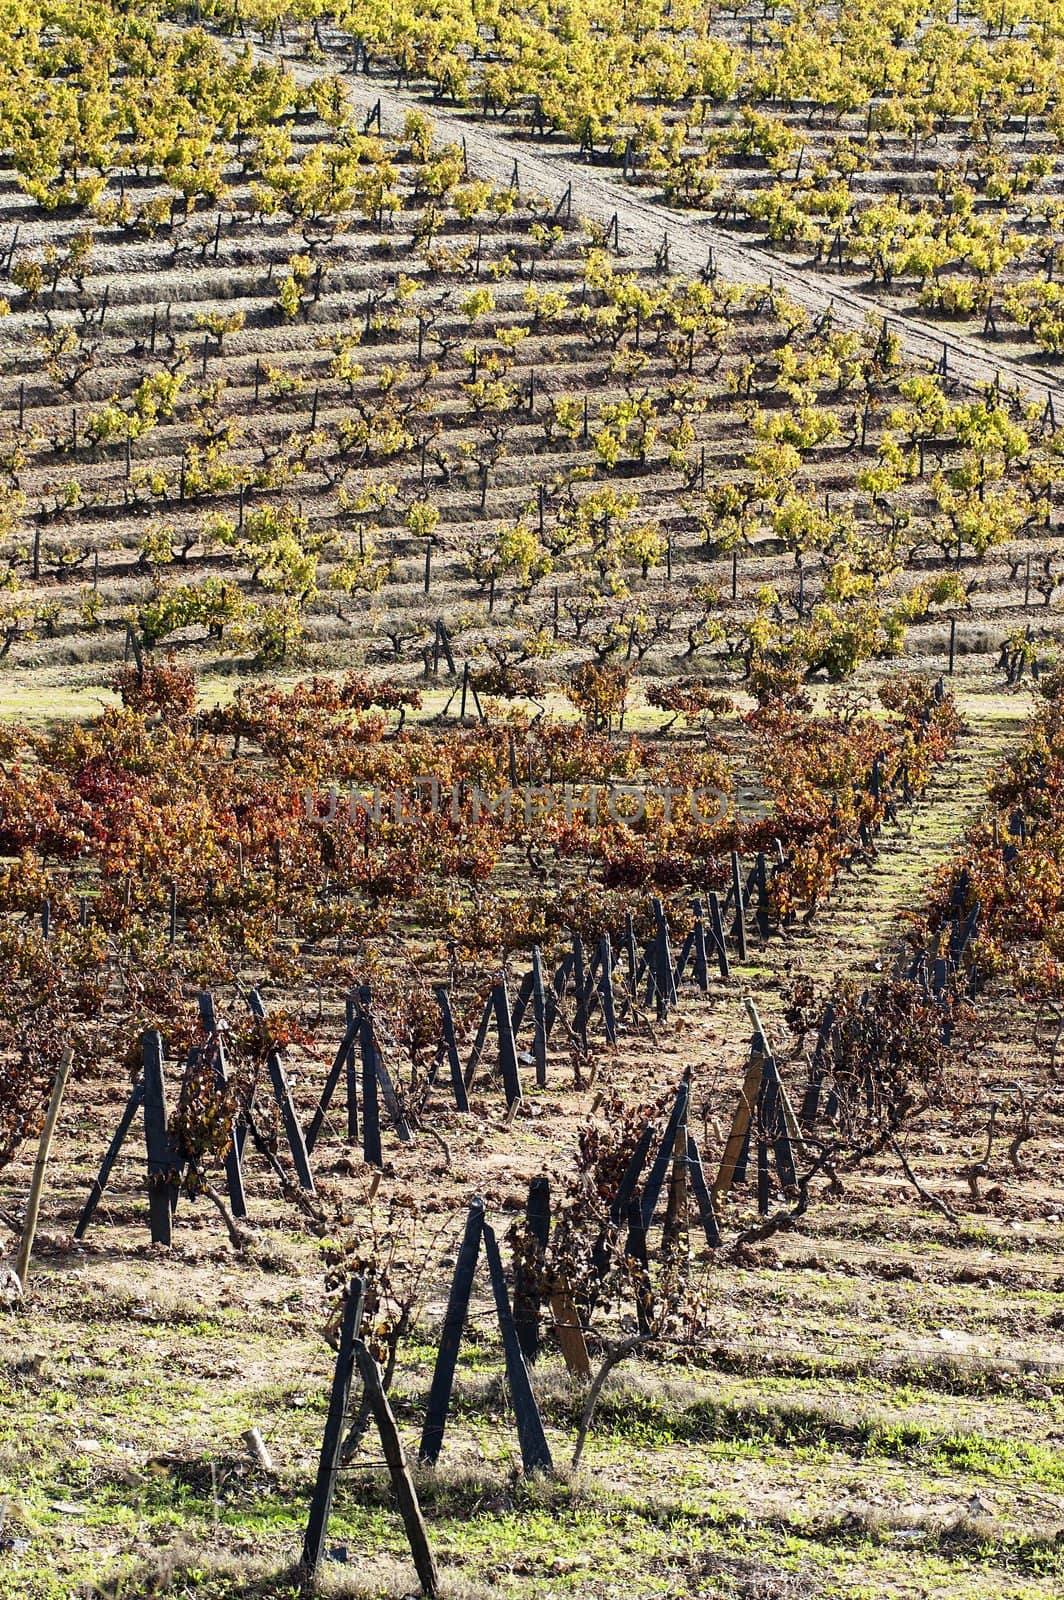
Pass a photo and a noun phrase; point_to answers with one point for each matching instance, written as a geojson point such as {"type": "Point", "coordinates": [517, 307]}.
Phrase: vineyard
{"type": "Point", "coordinates": [916, 148]}
{"type": "Point", "coordinates": [531, 800]}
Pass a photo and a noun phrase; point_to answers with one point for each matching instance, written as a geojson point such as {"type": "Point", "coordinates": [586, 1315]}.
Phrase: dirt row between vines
{"type": "Point", "coordinates": [864, 920]}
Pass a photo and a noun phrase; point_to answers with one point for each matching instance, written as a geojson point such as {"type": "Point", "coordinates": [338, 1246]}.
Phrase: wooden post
{"type": "Point", "coordinates": [703, 1198]}
{"type": "Point", "coordinates": [676, 1207]}
{"type": "Point", "coordinates": [539, 1018]}
{"type": "Point", "coordinates": [605, 987]}
{"type": "Point", "coordinates": [762, 1159]}
{"type": "Point", "coordinates": [701, 953]}
{"type": "Point", "coordinates": [811, 1100]}
{"type": "Point", "coordinates": [664, 972]}
{"type": "Point", "coordinates": [761, 879]}
{"type": "Point", "coordinates": [136, 1100]}
{"type": "Point", "coordinates": [234, 1175]}
{"type": "Point", "coordinates": [629, 950]}
{"type": "Point", "coordinates": [371, 1115]}
{"type": "Point", "coordinates": [450, 1047]}
{"type": "Point", "coordinates": [626, 1187]}
{"type": "Point", "coordinates": [33, 1204]}
{"type": "Point", "coordinates": [526, 1291]}
{"type": "Point", "coordinates": [579, 983]}
{"type": "Point", "coordinates": [559, 985]}
{"type": "Point", "coordinates": [332, 1441]}
{"type": "Point", "coordinates": [480, 1040]}
{"type": "Point", "coordinates": [341, 1061]}
{"type": "Point", "coordinates": [283, 1096]}
{"type": "Point", "coordinates": [390, 1098]}
{"type": "Point", "coordinates": [507, 1047]}
{"type": "Point", "coordinates": [535, 1452]}
{"type": "Point", "coordinates": [636, 1247]}
{"type": "Point", "coordinates": [677, 1119]}
{"type": "Point", "coordinates": [453, 1323]}
{"type": "Point", "coordinates": [524, 995]}
{"type": "Point", "coordinates": [402, 1483]}
{"type": "Point", "coordinates": [739, 925]}
{"type": "Point", "coordinates": [571, 1339]}
{"type": "Point", "coordinates": [162, 1158]}
{"type": "Point", "coordinates": [777, 1123]}
{"type": "Point", "coordinates": [740, 1128]}
{"type": "Point", "coordinates": [354, 1024]}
